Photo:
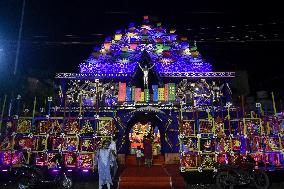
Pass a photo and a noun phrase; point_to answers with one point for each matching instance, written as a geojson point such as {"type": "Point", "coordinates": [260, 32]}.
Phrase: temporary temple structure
{"type": "Point", "coordinates": [144, 81]}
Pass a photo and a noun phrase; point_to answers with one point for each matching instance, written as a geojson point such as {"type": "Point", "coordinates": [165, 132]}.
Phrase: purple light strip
{"type": "Point", "coordinates": [166, 74]}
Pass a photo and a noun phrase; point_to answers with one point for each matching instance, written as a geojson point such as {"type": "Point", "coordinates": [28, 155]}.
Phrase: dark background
{"type": "Point", "coordinates": [58, 35]}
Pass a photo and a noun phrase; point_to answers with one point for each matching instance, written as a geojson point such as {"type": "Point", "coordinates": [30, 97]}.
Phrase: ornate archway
{"type": "Point", "coordinates": [144, 117]}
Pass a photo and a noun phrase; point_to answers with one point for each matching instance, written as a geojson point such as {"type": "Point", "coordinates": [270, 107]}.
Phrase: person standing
{"type": "Point", "coordinates": [148, 151]}
{"type": "Point", "coordinates": [102, 159]}
{"type": "Point", "coordinates": [113, 151]}
{"type": "Point", "coordinates": [138, 155]}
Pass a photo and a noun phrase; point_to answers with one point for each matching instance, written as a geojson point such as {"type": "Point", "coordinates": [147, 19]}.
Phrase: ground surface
{"type": "Point", "coordinates": [194, 181]}
{"type": "Point", "coordinates": [94, 185]}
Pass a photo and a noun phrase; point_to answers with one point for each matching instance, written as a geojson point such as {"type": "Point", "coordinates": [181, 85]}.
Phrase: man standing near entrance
{"type": "Point", "coordinates": [148, 151]}
{"type": "Point", "coordinates": [113, 156]}
{"type": "Point", "coordinates": [102, 160]}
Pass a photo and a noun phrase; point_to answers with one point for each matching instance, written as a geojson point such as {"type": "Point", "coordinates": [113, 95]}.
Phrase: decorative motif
{"type": "Point", "coordinates": [24, 126]}
{"type": "Point", "coordinates": [105, 127]}
{"type": "Point", "coordinates": [85, 161]}
{"type": "Point", "coordinates": [72, 127]}
{"type": "Point", "coordinates": [44, 126]}
{"type": "Point", "coordinates": [6, 144]}
{"type": "Point", "coordinates": [189, 161]}
{"type": "Point", "coordinates": [87, 128]}
{"type": "Point", "coordinates": [25, 143]}
{"type": "Point", "coordinates": [51, 162]}
{"type": "Point", "coordinates": [41, 143]}
{"type": "Point", "coordinates": [207, 161]}
{"type": "Point", "coordinates": [206, 126]}
{"type": "Point", "coordinates": [70, 144]}
{"type": "Point", "coordinates": [87, 145]}
{"type": "Point", "coordinates": [70, 159]}
{"type": "Point", "coordinates": [190, 144]}
{"type": "Point", "coordinates": [223, 145]}
{"type": "Point", "coordinates": [57, 142]}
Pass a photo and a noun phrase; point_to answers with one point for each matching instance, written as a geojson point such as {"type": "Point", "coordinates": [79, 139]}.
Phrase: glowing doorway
{"type": "Point", "coordinates": [137, 134]}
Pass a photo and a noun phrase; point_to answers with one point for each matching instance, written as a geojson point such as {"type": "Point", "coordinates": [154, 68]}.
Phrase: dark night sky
{"type": "Point", "coordinates": [58, 35]}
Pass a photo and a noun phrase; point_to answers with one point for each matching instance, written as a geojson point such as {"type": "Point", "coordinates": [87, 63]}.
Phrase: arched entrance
{"type": "Point", "coordinates": [146, 121]}
{"type": "Point", "coordinates": [139, 131]}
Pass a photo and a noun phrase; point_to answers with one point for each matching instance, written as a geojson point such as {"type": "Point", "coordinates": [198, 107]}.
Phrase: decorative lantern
{"type": "Point", "coordinates": [107, 45]}
{"type": "Point", "coordinates": [133, 46]}
{"type": "Point", "coordinates": [117, 36]}
{"type": "Point", "coordinates": [172, 31]}
{"type": "Point", "coordinates": [186, 51]}
{"type": "Point", "coordinates": [131, 34]}
{"type": "Point", "coordinates": [159, 46]}
{"type": "Point", "coordinates": [124, 49]}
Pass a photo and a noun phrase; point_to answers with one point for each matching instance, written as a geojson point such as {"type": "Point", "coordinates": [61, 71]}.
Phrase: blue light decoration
{"type": "Point", "coordinates": [121, 53]}
{"type": "Point", "coordinates": [155, 93]}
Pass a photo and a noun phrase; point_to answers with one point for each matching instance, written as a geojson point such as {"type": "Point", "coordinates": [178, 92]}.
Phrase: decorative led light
{"type": "Point", "coordinates": [122, 54]}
